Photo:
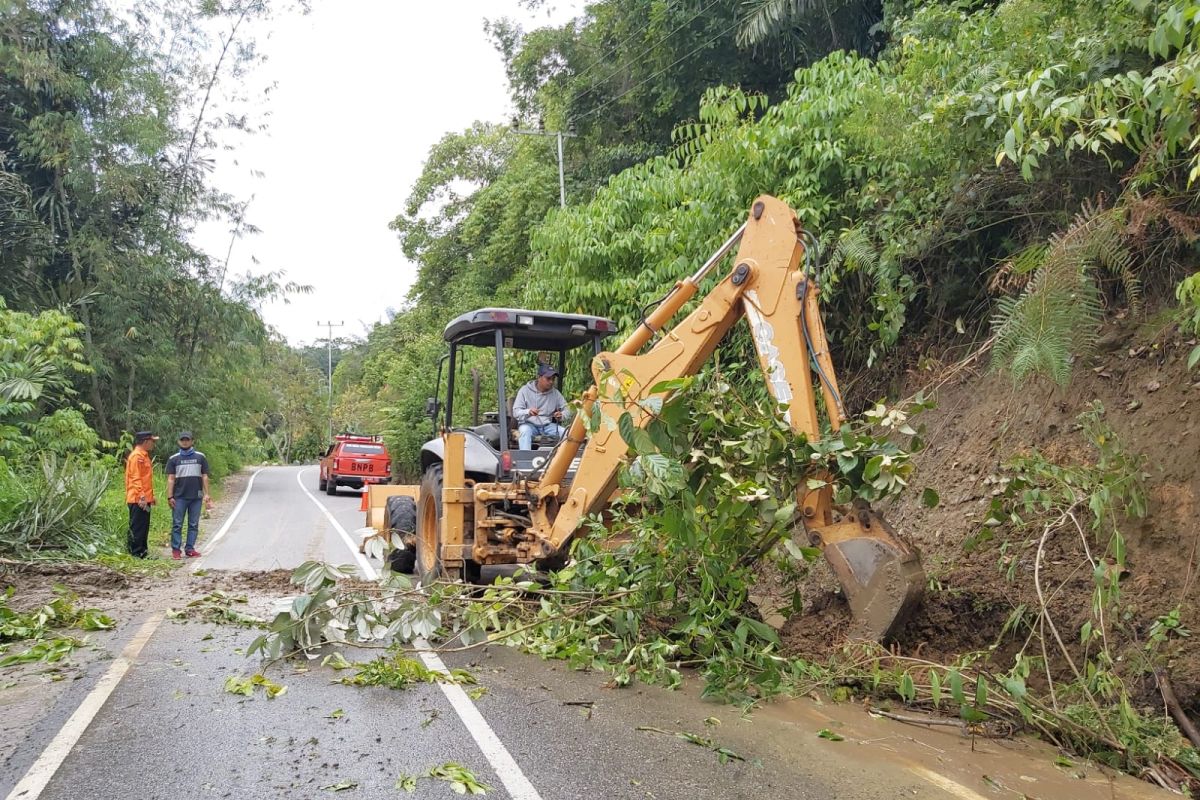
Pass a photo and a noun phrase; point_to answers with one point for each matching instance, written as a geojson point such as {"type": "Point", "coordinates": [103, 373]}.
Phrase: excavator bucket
{"type": "Point", "coordinates": [881, 575]}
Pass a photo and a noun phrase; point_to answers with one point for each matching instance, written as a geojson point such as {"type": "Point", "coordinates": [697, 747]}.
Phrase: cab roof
{"type": "Point", "coordinates": [527, 330]}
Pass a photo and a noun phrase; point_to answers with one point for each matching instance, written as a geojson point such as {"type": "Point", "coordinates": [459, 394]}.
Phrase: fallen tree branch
{"type": "Point", "coordinates": [1168, 695]}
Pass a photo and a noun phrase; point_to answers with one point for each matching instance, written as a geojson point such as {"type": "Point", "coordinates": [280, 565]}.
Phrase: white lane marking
{"type": "Point", "coordinates": [945, 784]}
{"type": "Point", "coordinates": [208, 547]}
{"type": "Point", "coordinates": [39, 775]}
{"type": "Point", "coordinates": [494, 751]}
{"type": "Point", "coordinates": [489, 743]}
{"type": "Point", "coordinates": [368, 571]}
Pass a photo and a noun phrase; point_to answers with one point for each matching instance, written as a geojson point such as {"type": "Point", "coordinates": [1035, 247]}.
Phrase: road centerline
{"type": "Point", "coordinates": [369, 571]}
{"type": "Point", "coordinates": [497, 755]}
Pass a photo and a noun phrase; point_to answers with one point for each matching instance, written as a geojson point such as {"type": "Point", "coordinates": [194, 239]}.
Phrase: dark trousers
{"type": "Point", "coordinates": [139, 531]}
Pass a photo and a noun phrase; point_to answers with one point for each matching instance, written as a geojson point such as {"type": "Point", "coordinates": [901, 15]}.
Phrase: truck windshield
{"type": "Point", "coordinates": [363, 449]}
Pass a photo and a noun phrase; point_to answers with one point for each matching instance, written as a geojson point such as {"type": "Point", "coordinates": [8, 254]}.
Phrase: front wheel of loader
{"type": "Point", "coordinates": [429, 566]}
{"type": "Point", "coordinates": [880, 574]}
{"type": "Point", "coordinates": [400, 519]}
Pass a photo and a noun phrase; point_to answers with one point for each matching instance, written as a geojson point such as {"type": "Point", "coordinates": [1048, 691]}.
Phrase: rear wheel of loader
{"type": "Point", "coordinates": [429, 566]}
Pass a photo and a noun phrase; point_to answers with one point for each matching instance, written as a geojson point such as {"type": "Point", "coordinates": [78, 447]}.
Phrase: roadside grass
{"type": "Point", "coordinates": [114, 515]}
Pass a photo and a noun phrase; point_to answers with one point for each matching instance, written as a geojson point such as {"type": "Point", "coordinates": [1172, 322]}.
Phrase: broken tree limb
{"type": "Point", "coordinates": [1168, 695]}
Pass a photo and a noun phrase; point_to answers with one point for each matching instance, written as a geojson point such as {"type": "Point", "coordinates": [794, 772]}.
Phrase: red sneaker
{"type": "Point", "coordinates": [193, 553]}
{"type": "Point", "coordinates": [176, 554]}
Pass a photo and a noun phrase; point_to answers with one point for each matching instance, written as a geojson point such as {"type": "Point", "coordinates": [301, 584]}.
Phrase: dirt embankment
{"type": "Point", "coordinates": [982, 420]}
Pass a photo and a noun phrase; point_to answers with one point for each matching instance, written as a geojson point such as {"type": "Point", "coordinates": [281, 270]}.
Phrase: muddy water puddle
{"type": "Point", "coordinates": [1019, 767]}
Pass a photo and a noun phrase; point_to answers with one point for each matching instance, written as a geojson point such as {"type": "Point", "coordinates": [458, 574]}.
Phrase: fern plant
{"type": "Point", "coordinates": [1055, 316]}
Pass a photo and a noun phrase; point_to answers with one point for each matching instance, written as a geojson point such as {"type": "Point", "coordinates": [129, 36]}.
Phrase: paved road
{"type": "Point", "coordinates": [168, 730]}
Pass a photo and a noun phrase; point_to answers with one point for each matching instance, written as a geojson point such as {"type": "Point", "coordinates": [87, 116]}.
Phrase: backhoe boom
{"type": "Point", "coordinates": [768, 286]}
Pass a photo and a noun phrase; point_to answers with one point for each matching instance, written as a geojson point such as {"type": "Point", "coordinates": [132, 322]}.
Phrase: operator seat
{"type": "Point", "coordinates": [514, 432]}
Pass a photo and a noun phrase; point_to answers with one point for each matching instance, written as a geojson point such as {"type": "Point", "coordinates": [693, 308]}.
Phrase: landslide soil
{"type": "Point", "coordinates": [981, 422]}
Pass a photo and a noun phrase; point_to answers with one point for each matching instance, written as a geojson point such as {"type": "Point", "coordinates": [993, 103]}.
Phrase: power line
{"type": "Point", "coordinates": [600, 59]}
{"type": "Point", "coordinates": [635, 59]}
{"type": "Point", "coordinates": [644, 81]}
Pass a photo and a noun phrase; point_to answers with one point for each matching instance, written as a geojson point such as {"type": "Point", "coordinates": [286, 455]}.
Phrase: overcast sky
{"type": "Point", "coordinates": [365, 88]}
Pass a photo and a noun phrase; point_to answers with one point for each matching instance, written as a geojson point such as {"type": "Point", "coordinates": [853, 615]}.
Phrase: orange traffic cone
{"type": "Point", "coordinates": [363, 505]}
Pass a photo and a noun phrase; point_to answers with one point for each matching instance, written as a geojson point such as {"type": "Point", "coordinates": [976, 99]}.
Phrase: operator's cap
{"type": "Point", "coordinates": [186, 435]}
{"type": "Point", "coordinates": [142, 436]}
{"type": "Point", "coordinates": [546, 370]}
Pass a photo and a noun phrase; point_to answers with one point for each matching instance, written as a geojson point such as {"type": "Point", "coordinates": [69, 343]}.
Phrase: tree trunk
{"type": "Point", "coordinates": [129, 399]}
{"type": "Point", "coordinates": [834, 39]}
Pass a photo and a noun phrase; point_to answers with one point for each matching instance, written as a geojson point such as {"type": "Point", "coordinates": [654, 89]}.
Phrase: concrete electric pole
{"type": "Point", "coordinates": [329, 352]}
{"type": "Point", "coordinates": [562, 183]}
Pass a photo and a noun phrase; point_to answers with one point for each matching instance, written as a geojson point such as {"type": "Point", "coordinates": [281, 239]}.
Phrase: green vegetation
{"type": "Point", "coordinates": [401, 672]}
{"type": "Point", "coordinates": [997, 172]}
{"type": "Point", "coordinates": [40, 631]}
{"type": "Point", "coordinates": [111, 321]}
{"type": "Point", "coordinates": [976, 175]}
{"type": "Point", "coordinates": [461, 779]}
{"type": "Point", "coordinates": [676, 595]}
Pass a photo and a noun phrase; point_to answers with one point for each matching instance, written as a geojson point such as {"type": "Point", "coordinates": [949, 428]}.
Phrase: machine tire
{"type": "Point", "coordinates": [429, 566]}
{"type": "Point", "coordinates": [331, 486]}
{"type": "Point", "coordinates": [400, 516]}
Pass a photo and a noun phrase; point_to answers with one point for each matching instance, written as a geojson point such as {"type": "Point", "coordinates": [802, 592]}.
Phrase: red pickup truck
{"type": "Point", "coordinates": [354, 460]}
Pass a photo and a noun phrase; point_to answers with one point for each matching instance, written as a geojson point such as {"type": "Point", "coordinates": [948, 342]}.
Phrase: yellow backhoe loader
{"type": "Point", "coordinates": [484, 506]}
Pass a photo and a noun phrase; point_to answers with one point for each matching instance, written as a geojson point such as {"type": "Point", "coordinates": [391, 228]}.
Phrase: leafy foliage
{"type": "Point", "coordinates": [245, 686]}
{"type": "Point", "coordinates": [717, 475]}
{"type": "Point", "coordinates": [1055, 317]}
{"type": "Point", "coordinates": [461, 779]}
{"type": "Point", "coordinates": [51, 509]}
{"type": "Point", "coordinates": [41, 628]}
{"type": "Point", "coordinates": [400, 672]}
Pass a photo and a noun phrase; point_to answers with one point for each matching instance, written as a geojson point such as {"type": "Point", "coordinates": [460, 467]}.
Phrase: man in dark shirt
{"type": "Point", "coordinates": [187, 489]}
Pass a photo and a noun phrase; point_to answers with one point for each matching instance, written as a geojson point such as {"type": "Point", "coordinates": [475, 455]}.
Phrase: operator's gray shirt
{"type": "Point", "coordinates": [548, 402]}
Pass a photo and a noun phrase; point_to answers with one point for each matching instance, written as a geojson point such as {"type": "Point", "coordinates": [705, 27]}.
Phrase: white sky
{"type": "Point", "coordinates": [365, 88]}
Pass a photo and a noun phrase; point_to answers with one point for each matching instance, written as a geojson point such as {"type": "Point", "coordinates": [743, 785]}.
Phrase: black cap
{"type": "Point", "coordinates": [142, 436]}
{"type": "Point", "coordinates": [545, 370]}
{"type": "Point", "coordinates": [186, 435]}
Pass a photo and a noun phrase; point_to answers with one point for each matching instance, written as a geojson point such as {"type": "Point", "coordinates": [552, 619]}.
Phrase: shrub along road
{"type": "Point", "coordinates": [169, 729]}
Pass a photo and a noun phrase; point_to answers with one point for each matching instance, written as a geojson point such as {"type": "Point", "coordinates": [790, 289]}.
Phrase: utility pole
{"type": "Point", "coordinates": [541, 131]}
{"type": "Point", "coordinates": [329, 351]}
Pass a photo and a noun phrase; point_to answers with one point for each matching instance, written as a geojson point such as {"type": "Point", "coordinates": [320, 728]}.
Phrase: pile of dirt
{"type": "Point", "coordinates": [33, 582]}
{"type": "Point", "coordinates": [982, 421]}
{"type": "Point", "coordinates": [270, 582]}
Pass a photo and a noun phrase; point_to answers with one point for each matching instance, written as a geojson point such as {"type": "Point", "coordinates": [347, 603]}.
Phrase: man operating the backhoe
{"type": "Point", "coordinates": [539, 408]}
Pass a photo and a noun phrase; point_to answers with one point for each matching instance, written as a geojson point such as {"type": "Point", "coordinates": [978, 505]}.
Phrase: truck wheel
{"type": "Point", "coordinates": [400, 517]}
{"type": "Point", "coordinates": [429, 566]}
{"type": "Point", "coordinates": [331, 485]}
{"type": "Point", "coordinates": [320, 483]}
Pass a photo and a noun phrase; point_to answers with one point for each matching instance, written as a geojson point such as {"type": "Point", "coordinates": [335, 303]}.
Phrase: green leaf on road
{"type": "Point", "coordinates": [825, 733]}
{"type": "Point", "coordinates": [341, 787]}
{"type": "Point", "coordinates": [461, 779]}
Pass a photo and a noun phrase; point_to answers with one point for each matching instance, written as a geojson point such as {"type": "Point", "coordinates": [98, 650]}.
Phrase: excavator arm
{"type": "Point", "coordinates": [881, 575]}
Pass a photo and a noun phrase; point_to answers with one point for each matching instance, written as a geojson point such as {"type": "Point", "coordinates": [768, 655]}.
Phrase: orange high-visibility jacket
{"type": "Point", "coordinates": [139, 480]}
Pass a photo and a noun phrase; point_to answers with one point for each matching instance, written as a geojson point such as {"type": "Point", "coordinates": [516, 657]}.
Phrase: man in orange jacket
{"type": "Point", "coordinates": [139, 492]}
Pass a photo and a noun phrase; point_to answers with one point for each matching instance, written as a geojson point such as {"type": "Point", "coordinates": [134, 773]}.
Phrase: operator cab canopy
{"type": "Point", "coordinates": [527, 330]}
{"type": "Point", "coordinates": [491, 448]}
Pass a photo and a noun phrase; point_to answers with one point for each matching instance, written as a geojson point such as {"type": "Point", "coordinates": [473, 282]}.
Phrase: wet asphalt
{"type": "Point", "coordinates": [169, 730]}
